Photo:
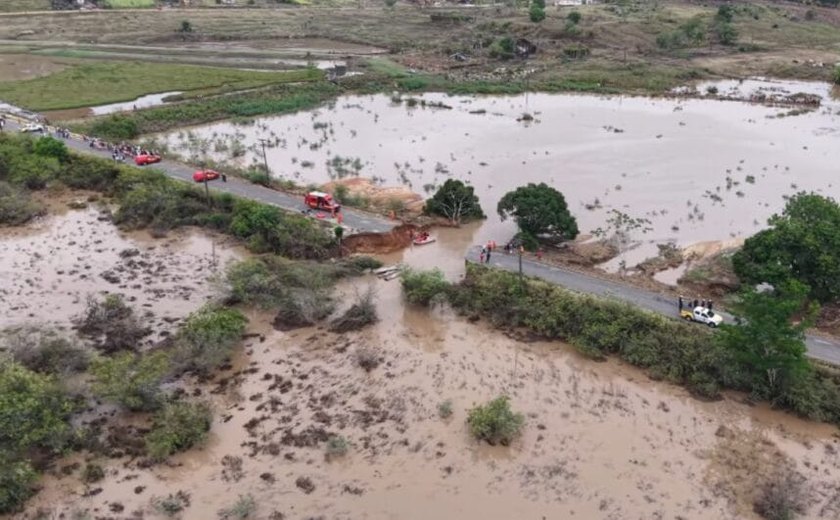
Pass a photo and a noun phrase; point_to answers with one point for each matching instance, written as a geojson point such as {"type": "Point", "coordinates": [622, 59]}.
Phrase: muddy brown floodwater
{"type": "Point", "coordinates": [699, 169]}
{"type": "Point", "coordinates": [50, 268]}
{"type": "Point", "coordinates": [601, 441]}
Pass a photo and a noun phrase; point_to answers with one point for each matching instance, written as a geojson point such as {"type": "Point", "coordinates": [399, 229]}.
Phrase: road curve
{"type": "Point", "coordinates": [357, 221]}
{"type": "Point", "coordinates": [821, 349]}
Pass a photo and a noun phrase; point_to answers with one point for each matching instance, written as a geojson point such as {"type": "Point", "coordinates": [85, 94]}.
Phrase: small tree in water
{"type": "Point", "coordinates": [455, 201]}
{"type": "Point", "coordinates": [539, 210]}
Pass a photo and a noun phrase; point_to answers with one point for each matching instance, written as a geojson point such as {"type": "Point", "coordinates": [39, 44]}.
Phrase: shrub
{"type": "Point", "coordinates": [45, 351]}
{"type": "Point", "coordinates": [16, 207]}
{"type": "Point", "coordinates": [536, 14]}
{"type": "Point", "coordinates": [90, 173]}
{"type": "Point", "coordinates": [337, 447]}
{"type": "Point", "coordinates": [781, 497]}
{"type": "Point", "coordinates": [726, 33]}
{"type": "Point", "coordinates": [367, 358]}
{"type": "Point", "coordinates": [419, 287]}
{"type": "Point", "coordinates": [574, 17]}
{"type": "Point", "coordinates": [445, 409]}
{"type": "Point", "coordinates": [495, 422]}
{"type": "Point", "coordinates": [502, 48]}
{"type": "Point", "coordinates": [361, 263]}
{"type": "Point", "coordinates": [33, 411]}
{"type": "Point", "coordinates": [33, 171]}
{"type": "Point", "coordinates": [837, 75]}
{"type": "Point", "coordinates": [17, 484]}
{"type": "Point", "coordinates": [117, 127]}
{"type": "Point", "coordinates": [244, 507]}
{"type": "Point", "coordinates": [92, 473]}
{"type": "Point", "coordinates": [178, 426]}
{"type": "Point", "coordinates": [111, 324]}
{"type": "Point", "coordinates": [172, 504]}
{"type": "Point", "coordinates": [361, 314]}
{"type": "Point", "coordinates": [207, 337]}
{"type": "Point", "coordinates": [131, 380]}
{"type": "Point", "coordinates": [50, 147]}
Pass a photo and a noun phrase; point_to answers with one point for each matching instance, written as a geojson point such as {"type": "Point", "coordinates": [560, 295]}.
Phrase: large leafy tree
{"type": "Point", "coordinates": [456, 201]}
{"type": "Point", "coordinates": [539, 209]}
{"type": "Point", "coordinates": [803, 243]}
{"type": "Point", "coordinates": [34, 413]}
{"type": "Point", "coordinates": [767, 346]}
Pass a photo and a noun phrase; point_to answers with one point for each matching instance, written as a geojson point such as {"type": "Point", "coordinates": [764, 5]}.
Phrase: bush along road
{"type": "Point", "coordinates": [818, 348]}
{"type": "Point", "coordinates": [357, 221]}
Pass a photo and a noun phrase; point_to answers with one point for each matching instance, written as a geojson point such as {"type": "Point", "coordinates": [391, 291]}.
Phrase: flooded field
{"type": "Point", "coordinates": [698, 169]}
{"type": "Point", "coordinates": [600, 441]}
{"type": "Point", "coordinates": [50, 268]}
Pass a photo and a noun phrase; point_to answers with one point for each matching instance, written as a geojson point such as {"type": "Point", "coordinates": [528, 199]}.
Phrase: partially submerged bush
{"type": "Point", "coordinates": [16, 207]}
{"type": "Point", "coordinates": [92, 473]}
{"type": "Point", "coordinates": [33, 411]}
{"type": "Point", "coordinates": [111, 324]}
{"type": "Point", "coordinates": [178, 426]}
{"type": "Point", "coordinates": [337, 446]}
{"type": "Point", "coordinates": [495, 422]}
{"type": "Point", "coordinates": [445, 409]}
{"type": "Point", "coordinates": [421, 286]}
{"type": "Point", "coordinates": [207, 338]}
{"type": "Point", "coordinates": [17, 484]}
{"type": "Point", "coordinates": [302, 308]}
{"type": "Point", "coordinates": [367, 358]}
{"type": "Point", "coordinates": [243, 508]}
{"type": "Point", "coordinates": [361, 263]}
{"type": "Point", "coordinates": [44, 351]}
{"type": "Point", "coordinates": [268, 281]}
{"type": "Point", "coordinates": [361, 314]}
{"type": "Point", "coordinates": [131, 380]}
{"type": "Point", "coordinates": [781, 497]}
{"type": "Point", "coordinates": [173, 504]}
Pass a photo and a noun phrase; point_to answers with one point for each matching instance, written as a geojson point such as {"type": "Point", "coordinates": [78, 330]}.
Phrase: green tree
{"type": "Point", "coordinates": [767, 347]}
{"type": "Point", "coordinates": [456, 201]}
{"type": "Point", "coordinates": [178, 426]}
{"type": "Point", "coordinates": [536, 13]}
{"type": "Point", "coordinates": [33, 410]}
{"type": "Point", "coordinates": [837, 75]}
{"type": "Point", "coordinates": [51, 147]}
{"type": "Point", "coordinates": [130, 380]}
{"type": "Point", "coordinates": [208, 337]}
{"type": "Point", "coordinates": [802, 243]}
{"type": "Point", "coordinates": [574, 17]}
{"type": "Point", "coordinates": [539, 209]}
{"type": "Point", "coordinates": [17, 483]}
{"type": "Point", "coordinates": [726, 33]}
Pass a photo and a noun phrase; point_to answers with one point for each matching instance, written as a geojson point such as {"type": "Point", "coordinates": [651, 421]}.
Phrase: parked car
{"type": "Point", "coordinates": [206, 175]}
{"type": "Point", "coordinates": [144, 159]}
{"type": "Point", "coordinates": [702, 315]}
{"type": "Point", "coordinates": [33, 127]}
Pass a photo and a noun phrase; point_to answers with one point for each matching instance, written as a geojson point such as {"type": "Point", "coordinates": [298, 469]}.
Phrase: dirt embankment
{"type": "Point", "coordinates": [394, 240]}
{"type": "Point", "coordinates": [382, 199]}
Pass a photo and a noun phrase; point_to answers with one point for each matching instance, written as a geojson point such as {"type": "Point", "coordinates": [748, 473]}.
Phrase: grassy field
{"type": "Point", "coordinates": [9, 6]}
{"type": "Point", "coordinates": [97, 83]}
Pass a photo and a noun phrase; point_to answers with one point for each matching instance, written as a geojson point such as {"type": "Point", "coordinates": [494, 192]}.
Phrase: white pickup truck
{"type": "Point", "coordinates": [702, 315]}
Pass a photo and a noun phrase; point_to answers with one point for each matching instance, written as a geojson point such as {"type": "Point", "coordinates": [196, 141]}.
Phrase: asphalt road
{"type": "Point", "coordinates": [818, 348]}
{"type": "Point", "coordinates": [357, 221]}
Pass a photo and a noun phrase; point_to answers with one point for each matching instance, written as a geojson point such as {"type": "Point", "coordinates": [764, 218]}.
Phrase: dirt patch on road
{"type": "Point", "coordinates": [394, 240]}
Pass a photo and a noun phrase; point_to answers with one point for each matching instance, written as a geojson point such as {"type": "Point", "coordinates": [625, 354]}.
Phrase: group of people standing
{"type": "Point", "coordinates": [683, 303]}
{"type": "Point", "coordinates": [484, 256]}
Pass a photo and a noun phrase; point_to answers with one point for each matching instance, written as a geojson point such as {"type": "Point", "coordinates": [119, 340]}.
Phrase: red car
{"type": "Point", "coordinates": [144, 159]}
{"type": "Point", "coordinates": [206, 175]}
{"type": "Point", "coordinates": [321, 201]}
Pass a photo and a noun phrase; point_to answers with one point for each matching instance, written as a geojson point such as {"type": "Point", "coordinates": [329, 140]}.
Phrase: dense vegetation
{"type": "Point", "coordinates": [802, 243]}
{"type": "Point", "coordinates": [455, 201]}
{"type": "Point", "coordinates": [495, 422]}
{"type": "Point", "coordinates": [773, 367]}
{"type": "Point", "coordinates": [149, 199]}
{"type": "Point", "coordinates": [540, 211]}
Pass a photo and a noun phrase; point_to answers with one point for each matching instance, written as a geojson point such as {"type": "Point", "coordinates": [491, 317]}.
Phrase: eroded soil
{"type": "Point", "coordinates": [50, 268]}
{"type": "Point", "coordinates": [600, 441]}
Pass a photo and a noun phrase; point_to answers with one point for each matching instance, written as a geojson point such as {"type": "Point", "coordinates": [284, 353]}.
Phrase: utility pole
{"type": "Point", "coordinates": [264, 142]}
{"type": "Point", "coordinates": [521, 280]}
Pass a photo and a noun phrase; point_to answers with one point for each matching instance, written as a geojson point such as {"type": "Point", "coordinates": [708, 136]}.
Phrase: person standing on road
{"type": "Point", "coordinates": [481, 256]}
{"type": "Point", "coordinates": [487, 261]}
{"type": "Point", "coordinates": [2, 123]}
{"type": "Point", "coordinates": [680, 303]}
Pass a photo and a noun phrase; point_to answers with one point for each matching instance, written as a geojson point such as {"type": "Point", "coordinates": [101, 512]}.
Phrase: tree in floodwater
{"type": "Point", "coordinates": [766, 345]}
{"type": "Point", "coordinates": [539, 210]}
{"type": "Point", "coordinates": [802, 243]}
{"type": "Point", "coordinates": [456, 201]}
